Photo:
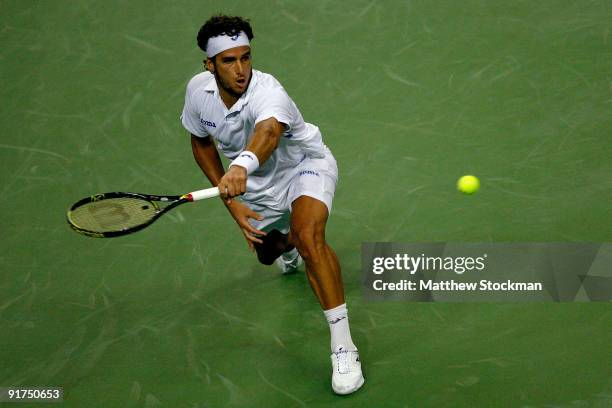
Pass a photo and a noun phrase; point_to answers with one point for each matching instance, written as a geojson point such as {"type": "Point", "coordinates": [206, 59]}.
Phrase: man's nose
{"type": "Point", "coordinates": [239, 67]}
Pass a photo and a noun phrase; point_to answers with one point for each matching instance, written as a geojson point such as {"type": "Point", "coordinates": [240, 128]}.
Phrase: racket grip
{"type": "Point", "coordinates": [203, 194]}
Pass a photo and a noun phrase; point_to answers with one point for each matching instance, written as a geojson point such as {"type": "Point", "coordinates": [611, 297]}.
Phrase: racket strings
{"type": "Point", "coordinates": [113, 214]}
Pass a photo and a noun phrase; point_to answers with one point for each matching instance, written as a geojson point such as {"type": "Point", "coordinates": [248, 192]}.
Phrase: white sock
{"type": "Point", "coordinates": [339, 328]}
{"type": "Point", "coordinates": [290, 256]}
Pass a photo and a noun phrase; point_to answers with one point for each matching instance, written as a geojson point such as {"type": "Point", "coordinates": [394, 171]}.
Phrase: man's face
{"type": "Point", "coordinates": [232, 69]}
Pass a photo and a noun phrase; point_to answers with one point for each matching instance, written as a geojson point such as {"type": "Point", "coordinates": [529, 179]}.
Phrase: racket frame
{"type": "Point", "coordinates": [172, 200]}
{"type": "Point", "coordinates": [152, 199]}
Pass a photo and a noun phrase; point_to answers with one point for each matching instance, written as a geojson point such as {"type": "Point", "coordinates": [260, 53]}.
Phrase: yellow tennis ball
{"type": "Point", "coordinates": [468, 184]}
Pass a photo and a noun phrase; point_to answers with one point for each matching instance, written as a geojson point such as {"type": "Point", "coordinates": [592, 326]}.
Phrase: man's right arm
{"type": "Point", "coordinates": [207, 157]}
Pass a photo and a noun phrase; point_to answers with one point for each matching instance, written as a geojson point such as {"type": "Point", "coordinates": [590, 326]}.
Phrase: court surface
{"type": "Point", "coordinates": [409, 95]}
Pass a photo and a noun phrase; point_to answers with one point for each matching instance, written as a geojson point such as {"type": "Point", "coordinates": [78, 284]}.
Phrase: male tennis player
{"type": "Point", "coordinates": [291, 174]}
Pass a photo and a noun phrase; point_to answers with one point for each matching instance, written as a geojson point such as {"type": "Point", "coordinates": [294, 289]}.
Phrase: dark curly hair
{"type": "Point", "coordinates": [222, 24]}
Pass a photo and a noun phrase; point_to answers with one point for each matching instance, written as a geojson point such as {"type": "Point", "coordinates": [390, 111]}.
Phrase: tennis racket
{"type": "Point", "coordinates": [115, 214]}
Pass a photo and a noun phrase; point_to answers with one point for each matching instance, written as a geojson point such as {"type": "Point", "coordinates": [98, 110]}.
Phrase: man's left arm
{"type": "Point", "coordinates": [265, 139]}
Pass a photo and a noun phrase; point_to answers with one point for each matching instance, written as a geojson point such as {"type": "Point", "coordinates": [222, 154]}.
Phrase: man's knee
{"type": "Point", "coordinates": [309, 240]}
{"type": "Point", "coordinates": [308, 219]}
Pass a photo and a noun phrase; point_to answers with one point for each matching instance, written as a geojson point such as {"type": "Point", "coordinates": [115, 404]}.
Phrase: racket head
{"type": "Point", "coordinates": [115, 214]}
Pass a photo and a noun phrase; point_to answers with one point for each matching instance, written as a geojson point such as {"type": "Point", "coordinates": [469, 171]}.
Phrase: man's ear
{"type": "Point", "coordinates": [210, 65]}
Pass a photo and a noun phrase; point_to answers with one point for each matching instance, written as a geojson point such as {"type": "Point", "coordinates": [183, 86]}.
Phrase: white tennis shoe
{"type": "Point", "coordinates": [289, 262]}
{"type": "Point", "coordinates": [346, 371]}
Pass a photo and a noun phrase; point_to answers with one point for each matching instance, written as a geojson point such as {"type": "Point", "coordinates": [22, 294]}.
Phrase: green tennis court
{"type": "Point", "coordinates": [409, 95]}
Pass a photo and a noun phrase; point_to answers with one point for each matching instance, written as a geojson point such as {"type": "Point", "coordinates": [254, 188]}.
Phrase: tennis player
{"type": "Point", "coordinates": [247, 116]}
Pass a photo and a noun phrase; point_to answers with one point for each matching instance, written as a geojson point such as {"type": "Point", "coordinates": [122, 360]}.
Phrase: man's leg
{"type": "Point", "coordinates": [307, 234]}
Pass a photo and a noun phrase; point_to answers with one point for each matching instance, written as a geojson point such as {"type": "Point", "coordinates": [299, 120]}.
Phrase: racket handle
{"type": "Point", "coordinates": [202, 194]}
{"type": "Point", "coordinates": [206, 193]}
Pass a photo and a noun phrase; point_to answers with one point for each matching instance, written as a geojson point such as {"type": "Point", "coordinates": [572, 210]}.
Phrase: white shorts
{"type": "Point", "coordinates": [312, 177]}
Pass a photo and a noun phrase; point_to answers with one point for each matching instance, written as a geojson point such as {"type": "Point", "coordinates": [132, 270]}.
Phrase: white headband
{"type": "Point", "coordinates": [224, 42]}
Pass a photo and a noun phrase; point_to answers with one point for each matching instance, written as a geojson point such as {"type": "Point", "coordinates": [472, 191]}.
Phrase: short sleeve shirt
{"type": "Point", "coordinates": [205, 114]}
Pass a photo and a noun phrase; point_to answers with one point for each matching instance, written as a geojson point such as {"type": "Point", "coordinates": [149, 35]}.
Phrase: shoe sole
{"type": "Point", "coordinates": [357, 387]}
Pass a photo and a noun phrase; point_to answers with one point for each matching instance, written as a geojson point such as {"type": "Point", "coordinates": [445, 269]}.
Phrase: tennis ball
{"type": "Point", "coordinates": [468, 184]}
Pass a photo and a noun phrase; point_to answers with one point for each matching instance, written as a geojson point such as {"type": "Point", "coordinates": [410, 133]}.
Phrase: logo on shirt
{"type": "Point", "coordinates": [208, 123]}
{"type": "Point", "coordinates": [309, 173]}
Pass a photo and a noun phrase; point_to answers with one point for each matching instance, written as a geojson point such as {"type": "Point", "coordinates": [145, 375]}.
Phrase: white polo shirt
{"type": "Point", "coordinates": [205, 114]}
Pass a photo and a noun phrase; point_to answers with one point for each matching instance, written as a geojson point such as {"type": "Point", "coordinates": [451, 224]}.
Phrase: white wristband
{"type": "Point", "coordinates": [248, 160]}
